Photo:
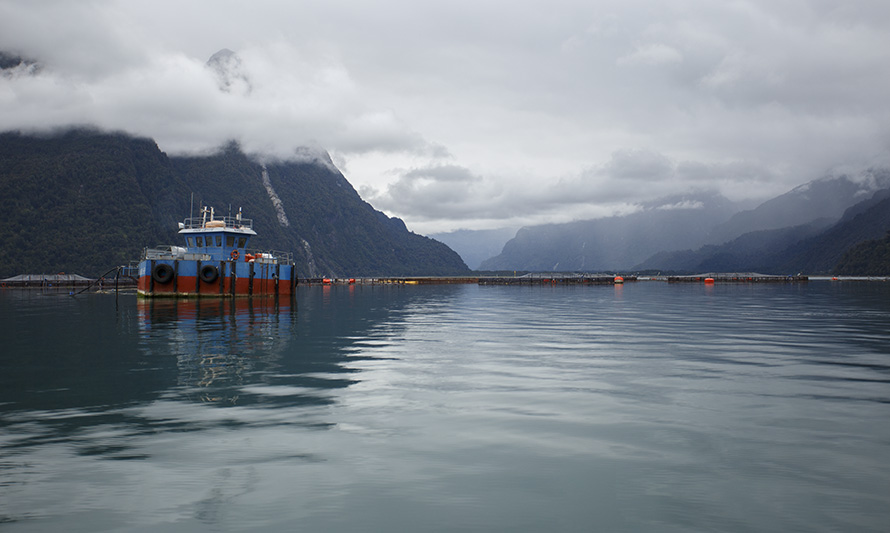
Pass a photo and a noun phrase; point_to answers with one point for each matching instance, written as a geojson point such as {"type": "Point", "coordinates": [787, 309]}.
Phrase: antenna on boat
{"type": "Point", "coordinates": [192, 205]}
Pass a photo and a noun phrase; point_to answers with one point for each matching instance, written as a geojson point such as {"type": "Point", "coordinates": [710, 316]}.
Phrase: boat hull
{"type": "Point", "coordinates": [193, 278]}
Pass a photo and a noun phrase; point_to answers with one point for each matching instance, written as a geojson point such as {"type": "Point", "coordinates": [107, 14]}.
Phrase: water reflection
{"type": "Point", "coordinates": [99, 374]}
{"type": "Point", "coordinates": [642, 408]}
{"type": "Point", "coordinates": [220, 345]}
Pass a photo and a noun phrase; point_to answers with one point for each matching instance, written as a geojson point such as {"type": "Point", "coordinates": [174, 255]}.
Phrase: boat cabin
{"type": "Point", "coordinates": [220, 238]}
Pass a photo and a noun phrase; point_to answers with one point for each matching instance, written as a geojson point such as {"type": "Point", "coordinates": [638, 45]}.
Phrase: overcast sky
{"type": "Point", "coordinates": [479, 114]}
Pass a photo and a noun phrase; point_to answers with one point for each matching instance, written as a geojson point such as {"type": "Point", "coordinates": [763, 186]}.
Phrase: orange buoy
{"type": "Point", "coordinates": [326, 281]}
{"type": "Point", "coordinates": [619, 279]}
{"type": "Point", "coordinates": [351, 280]}
{"type": "Point", "coordinates": [709, 280]}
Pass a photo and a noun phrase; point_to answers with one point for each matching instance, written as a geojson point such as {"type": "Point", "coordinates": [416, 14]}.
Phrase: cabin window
{"type": "Point", "coordinates": [191, 241]}
{"type": "Point", "coordinates": [219, 240]}
{"type": "Point", "coordinates": [230, 241]}
{"type": "Point", "coordinates": [241, 242]}
{"type": "Point", "coordinates": [200, 241]}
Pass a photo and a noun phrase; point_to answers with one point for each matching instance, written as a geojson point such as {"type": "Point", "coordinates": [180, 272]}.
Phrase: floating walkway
{"type": "Point", "coordinates": [72, 280]}
{"type": "Point", "coordinates": [527, 279]}
{"type": "Point", "coordinates": [559, 279]}
{"type": "Point", "coordinates": [42, 281]}
{"type": "Point", "coordinates": [746, 277]}
{"type": "Point", "coordinates": [417, 280]}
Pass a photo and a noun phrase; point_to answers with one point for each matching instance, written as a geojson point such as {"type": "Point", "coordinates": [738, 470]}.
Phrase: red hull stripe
{"type": "Point", "coordinates": [185, 286]}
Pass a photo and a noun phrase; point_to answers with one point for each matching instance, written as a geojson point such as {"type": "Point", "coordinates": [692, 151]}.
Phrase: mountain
{"type": "Point", "coordinates": [869, 258]}
{"type": "Point", "coordinates": [821, 254]}
{"type": "Point", "coordinates": [747, 253]}
{"type": "Point", "coordinates": [9, 62]}
{"type": "Point", "coordinates": [806, 229]}
{"type": "Point", "coordinates": [475, 246]}
{"type": "Point", "coordinates": [813, 248]}
{"type": "Point", "coordinates": [84, 201]}
{"type": "Point", "coordinates": [81, 202]}
{"type": "Point", "coordinates": [322, 219]}
{"type": "Point", "coordinates": [229, 71]}
{"type": "Point", "coordinates": [825, 198]}
{"type": "Point", "coordinates": [614, 243]}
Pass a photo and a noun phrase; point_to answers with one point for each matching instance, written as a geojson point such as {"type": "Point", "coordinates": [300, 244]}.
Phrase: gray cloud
{"type": "Point", "coordinates": [629, 180]}
{"type": "Point", "coordinates": [270, 96]}
{"type": "Point", "coordinates": [638, 165]}
{"type": "Point", "coordinates": [465, 114]}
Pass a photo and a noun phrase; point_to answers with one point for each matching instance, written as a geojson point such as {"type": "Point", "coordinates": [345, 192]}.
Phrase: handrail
{"type": "Point", "coordinates": [178, 252]}
{"type": "Point", "coordinates": [285, 257]}
{"type": "Point", "coordinates": [230, 222]}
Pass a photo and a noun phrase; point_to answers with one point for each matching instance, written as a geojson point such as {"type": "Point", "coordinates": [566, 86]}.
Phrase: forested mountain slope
{"type": "Point", "coordinates": [815, 248]}
{"type": "Point", "coordinates": [83, 201]}
{"type": "Point", "coordinates": [616, 242]}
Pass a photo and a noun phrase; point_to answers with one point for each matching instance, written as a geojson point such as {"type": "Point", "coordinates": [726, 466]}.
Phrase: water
{"type": "Point", "coordinates": [648, 407]}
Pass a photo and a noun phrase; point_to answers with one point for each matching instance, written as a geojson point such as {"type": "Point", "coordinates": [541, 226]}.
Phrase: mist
{"type": "Point", "coordinates": [479, 117]}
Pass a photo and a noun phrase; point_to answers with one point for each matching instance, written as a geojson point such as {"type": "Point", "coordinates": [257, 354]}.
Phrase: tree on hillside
{"type": "Point", "coordinates": [870, 258]}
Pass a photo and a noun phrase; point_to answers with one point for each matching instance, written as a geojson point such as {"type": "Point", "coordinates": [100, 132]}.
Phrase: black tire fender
{"type": "Point", "coordinates": [208, 273]}
{"type": "Point", "coordinates": [162, 273]}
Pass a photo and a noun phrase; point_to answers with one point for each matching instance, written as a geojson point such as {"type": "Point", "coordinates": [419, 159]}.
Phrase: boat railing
{"type": "Point", "coordinates": [285, 258]}
{"type": "Point", "coordinates": [164, 252]}
{"type": "Point", "coordinates": [130, 270]}
{"type": "Point", "coordinates": [173, 252]}
{"type": "Point", "coordinates": [230, 222]}
{"type": "Point", "coordinates": [178, 252]}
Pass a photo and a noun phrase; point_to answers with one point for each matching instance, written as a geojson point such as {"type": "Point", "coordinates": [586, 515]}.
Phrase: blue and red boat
{"type": "Point", "coordinates": [215, 261]}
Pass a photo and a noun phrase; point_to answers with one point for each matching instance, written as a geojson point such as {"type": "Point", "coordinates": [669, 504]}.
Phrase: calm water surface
{"type": "Point", "coordinates": [648, 407]}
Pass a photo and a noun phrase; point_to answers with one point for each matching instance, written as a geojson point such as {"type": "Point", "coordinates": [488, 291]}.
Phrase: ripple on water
{"type": "Point", "coordinates": [647, 407]}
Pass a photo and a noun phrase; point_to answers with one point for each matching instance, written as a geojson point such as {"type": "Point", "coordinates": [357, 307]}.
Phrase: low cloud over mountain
{"type": "Point", "coordinates": [555, 112]}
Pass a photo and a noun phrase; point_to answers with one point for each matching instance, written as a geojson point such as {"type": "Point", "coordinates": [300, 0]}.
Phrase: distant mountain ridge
{"type": "Point", "coordinates": [814, 248]}
{"type": "Point", "coordinates": [807, 229]}
{"type": "Point", "coordinates": [475, 246]}
{"type": "Point", "coordinates": [746, 253]}
{"type": "Point", "coordinates": [870, 219]}
{"type": "Point", "coordinates": [825, 198]}
{"type": "Point", "coordinates": [84, 201]}
{"type": "Point", "coordinates": [618, 242]}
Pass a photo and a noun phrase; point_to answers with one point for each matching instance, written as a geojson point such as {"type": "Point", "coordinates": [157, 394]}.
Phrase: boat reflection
{"type": "Point", "coordinates": [220, 345]}
{"type": "Point", "coordinates": [256, 351]}
{"type": "Point", "coordinates": [106, 377]}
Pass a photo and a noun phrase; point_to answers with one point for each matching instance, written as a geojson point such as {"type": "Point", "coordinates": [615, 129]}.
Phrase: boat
{"type": "Point", "coordinates": [215, 261]}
